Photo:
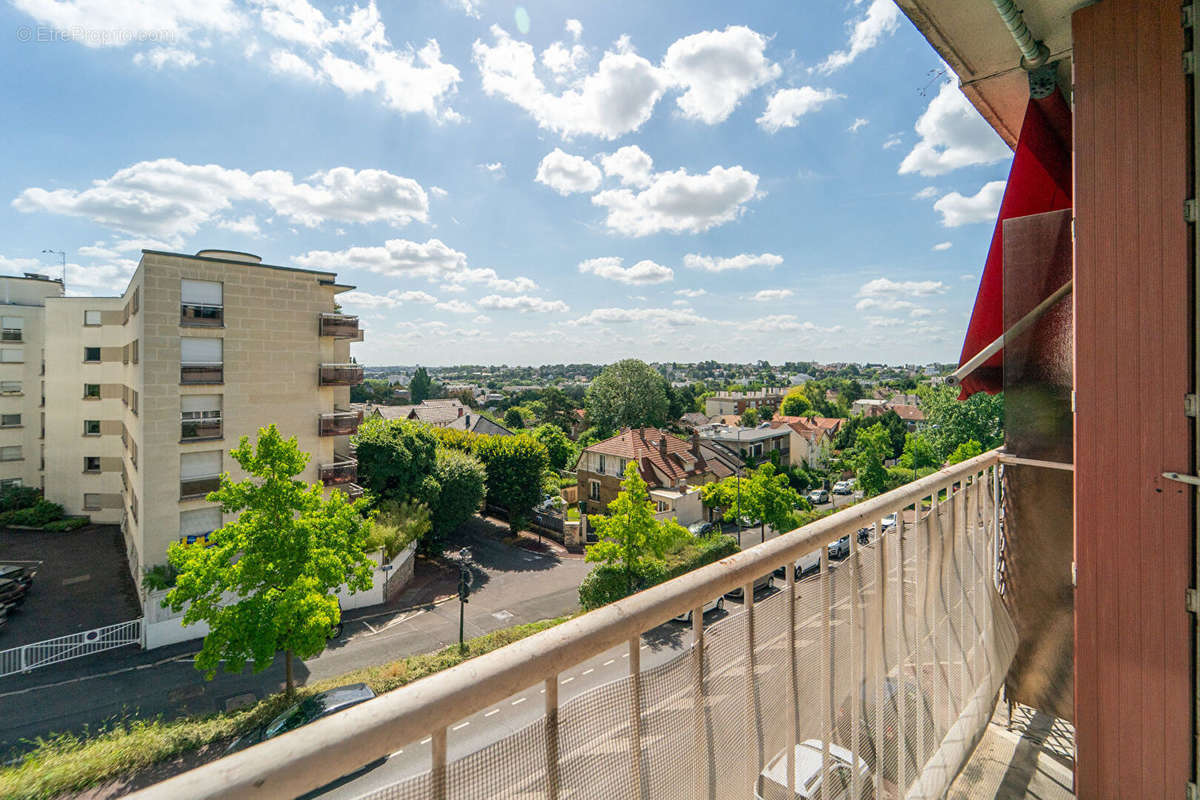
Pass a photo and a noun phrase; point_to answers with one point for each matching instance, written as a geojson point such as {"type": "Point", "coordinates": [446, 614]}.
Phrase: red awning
{"type": "Point", "coordinates": [1038, 181]}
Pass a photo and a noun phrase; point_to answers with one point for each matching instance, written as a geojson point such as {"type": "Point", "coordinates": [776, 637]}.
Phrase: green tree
{"type": "Point", "coordinates": [871, 447]}
{"type": "Point", "coordinates": [462, 483]}
{"type": "Point", "coordinates": [421, 386]}
{"type": "Point", "coordinates": [396, 459]}
{"type": "Point", "coordinates": [558, 446]}
{"type": "Point", "coordinates": [918, 453]}
{"type": "Point", "coordinates": [796, 404]}
{"type": "Point", "coordinates": [765, 495]}
{"type": "Point", "coordinates": [628, 535]}
{"type": "Point", "coordinates": [515, 466]}
{"type": "Point", "coordinates": [968, 449]}
{"type": "Point", "coordinates": [749, 418]}
{"type": "Point", "coordinates": [283, 558]}
{"type": "Point", "coordinates": [560, 408]}
{"type": "Point", "coordinates": [950, 422]}
{"type": "Point", "coordinates": [627, 394]}
{"type": "Point", "coordinates": [513, 420]}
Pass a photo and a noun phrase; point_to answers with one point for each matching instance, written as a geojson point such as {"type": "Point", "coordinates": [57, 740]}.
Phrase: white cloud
{"type": "Point", "coordinates": [858, 123]}
{"type": "Point", "coordinates": [116, 23]}
{"type": "Point", "coordinates": [790, 323]}
{"type": "Point", "coordinates": [169, 199]}
{"type": "Point", "coordinates": [495, 168]}
{"type": "Point", "coordinates": [453, 287]}
{"type": "Point", "coordinates": [285, 62]}
{"type": "Point", "coordinates": [481, 319]}
{"type": "Point", "coordinates": [786, 106]}
{"type": "Point", "coordinates": [885, 287]}
{"type": "Point", "coordinates": [575, 28]}
{"type": "Point", "coordinates": [516, 285]}
{"type": "Point", "coordinates": [468, 7]}
{"type": "Point", "coordinates": [395, 257]}
{"type": "Point", "coordinates": [246, 224]}
{"type": "Point", "coordinates": [983, 206]}
{"type": "Point", "coordinates": [882, 18]}
{"type": "Point", "coordinates": [884, 304]}
{"type": "Point", "coordinates": [921, 312]}
{"type": "Point", "coordinates": [943, 245]}
{"type": "Point", "coordinates": [718, 69]}
{"type": "Point", "coordinates": [523, 303]}
{"type": "Point", "coordinates": [564, 61]}
{"type": "Point", "coordinates": [642, 273]}
{"type": "Point", "coordinates": [691, 292]}
{"type": "Point", "coordinates": [674, 317]}
{"type": "Point", "coordinates": [456, 307]}
{"type": "Point", "coordinates": [679, 202]}
{"type": "Point", "coordinates": [159, 57]}
{"type": "Point", "coordinates": [892, 141]}
{"type": "Point", "coordinates": [680, 302]}
{"type": "Point", "coordinates": [487, 275]}
{"type": "Point", "coordinates": [631, 164]}
{"type": "Point", "coordinates": [768, 295]}
{"type": "Point", "coordinates": [928, 193]}
{"type": "Point", "coordinates": [391, 299]}
{"type": "Point", "coordinates": [566, 173]}
{"type": "Point", "coordinates": [615, 99]}
{"type": "Point", "coordinates": [438, 191]}
{"type": "Point", "coordinates": [953, 135]}
{"type": "Point", "coordinates": [738, 262]}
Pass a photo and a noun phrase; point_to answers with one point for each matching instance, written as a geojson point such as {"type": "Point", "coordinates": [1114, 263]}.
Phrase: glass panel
{"type": "Point", "coordinates": [199, 351]}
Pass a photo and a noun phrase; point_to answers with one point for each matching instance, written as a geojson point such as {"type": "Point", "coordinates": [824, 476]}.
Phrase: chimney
{"type": "Point", "coordinates": [468, 421]}
{"type": "Point", "coordinates": [696, 443]}
{"type": "Point", "coordinates": [662, 445]}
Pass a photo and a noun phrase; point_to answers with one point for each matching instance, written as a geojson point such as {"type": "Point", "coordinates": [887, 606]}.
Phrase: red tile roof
{"type": "Point", "coordinates": [910, 413]}
{"type": "Point", "coordinates": [643, 445]}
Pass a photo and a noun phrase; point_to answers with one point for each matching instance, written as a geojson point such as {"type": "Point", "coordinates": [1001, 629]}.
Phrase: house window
{"type": "Point", "coordinates": [201, 416]}
{"type": "Point", "coordinates": [601, 470]}
{"type": "Point", "coordinates": [199, 473]}
{"type": "Point", "coordinates": [196, 525]}
{"type": "Point", "coordinates": [133, 401]}
{"type": "Point", "coordinates": [91, 391]}
{"type": "Point", "coordinates": [201, 304]}
{"type": "Point", "coordinates": [91, 463]}
{"type": "Point", "coordinates": [201, 360]}
{"type": "Point", "coordinates": [91, 354]}
{"type": "Point", "coordinates": [12, 329]}
{"type": "Point", "coordinates": [661, 506]}
{"type": "Point", "coordinates": [91, 501]}
{"type": "Point", "coordinates": [133, 348]}
{"type": "Point", "coordinates": [11, 453]}
{"type": "Point", "coordinates": [594, 490]}
{"type": "Point", "coordinates": [10, 420]}
{"type": "Point", "coordinates": [12, 355]}
{"type": "Point", "coordinates": [10, 387]}
{"type": "Point", "coordinates": [91, 317]}
{"type": "Point", "coordinates": [136, 295]}
{"type": "Point", "coordinates": [8, 483]}
{"type": "Point", "coordinates": [91, 427]}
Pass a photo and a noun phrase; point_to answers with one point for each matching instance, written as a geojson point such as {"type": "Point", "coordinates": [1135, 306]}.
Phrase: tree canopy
{"type": "Point", "coordinates": [765, 496]}
{"type": "Point", "coordinates": [950, 422]}
{"type": "Point", "coordinates": [558, 447]}
{"type": "Point", "coordinates": [871, 447]}
{"type": "Point", "coordinates": [396, 459]}
{"type": "Point", "coordinates": [462, 483]}
{"type": "Point", "coordinates": [515, 466]}
{"type": "Point", "coordinates": [421, 386]}
{"type": "Point", "coordinates": [627, 394]}
{"type": "Point", "coordinates": [796, 404]}
{"type": "Point", "coordinates": [283, 557]}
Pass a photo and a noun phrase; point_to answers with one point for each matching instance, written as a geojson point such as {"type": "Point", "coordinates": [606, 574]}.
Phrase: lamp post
{"type": "Point", "coordinates": [464, 591]}
{"type": "Point", "coordinates": [63, 255]}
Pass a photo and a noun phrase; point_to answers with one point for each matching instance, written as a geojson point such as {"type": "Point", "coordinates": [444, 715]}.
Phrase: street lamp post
{"type": "Point", "coordinates": [464, 591]}
{"type": "Point", "coordinates": [63, 255]}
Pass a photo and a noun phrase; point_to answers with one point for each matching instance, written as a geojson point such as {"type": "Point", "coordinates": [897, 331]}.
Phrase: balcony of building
{"type": "Point", "coordinates": [199, 486]}
{"type": "Point", "coordinates": [200, 373]}
{"type": "Point", "coordinates": [341, 375]}
{"type": "Point", "coordinates": [339, 423]}
{"type": "Point", "coordinates": [352, 490]}
{"type": "Point", "coordinates": [201, 315]}
{"type": "Point", "coordinates": [339, 326]}
{"type": "Point", "coordinates": [876, 674]}
{"type": "Point", "coordinates": [342, 470]}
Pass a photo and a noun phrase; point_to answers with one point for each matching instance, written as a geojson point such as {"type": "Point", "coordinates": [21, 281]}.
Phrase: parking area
{"type": "Point", "coordinates": [82, 583]}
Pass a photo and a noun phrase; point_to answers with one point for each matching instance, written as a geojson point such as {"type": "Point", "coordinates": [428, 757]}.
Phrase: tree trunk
{"type": "Point", "coordinates": [291, 683]}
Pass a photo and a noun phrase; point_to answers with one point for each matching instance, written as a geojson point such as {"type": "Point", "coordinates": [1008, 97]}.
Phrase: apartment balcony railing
{"type": "Point", "coordinates": [209, 428]}
{"type": "Point", "coordinates": [339, 423]}
{"type": "Point", "coordinates": [342, 471]}
{"type": "Point", "coordinates": [339, 326]}
{"type": "Point", "coordinates": [190, 488]}
{"type": "Point", "coordinates": [341, 375]}
{"type": "Point", "coordinates": [895, 653]}
{"type": "Point", "coordinates": [202, 373]}
{"type": "Point", "coordinates": [353, 490]}
{"type": "Point", "coordinates": [201, 315]}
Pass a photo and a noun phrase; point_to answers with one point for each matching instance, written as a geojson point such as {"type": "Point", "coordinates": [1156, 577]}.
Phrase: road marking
{"type": "Point", "coordinates": [398, 752]}
{"type": "Point", "coordinates": [519, 700]}
{"type": "Point", "coordinates": [493, 711]}
{"type": "Point", "coordinates": [645, 647]}
{"type": "Point", "coordinates": [565, 681]}
{"type": "Point", "coordinates": [610, 661]}
{"type": "Point", "coordinates": [460, 725]}
{"type": "Point", "coordinates": [589, 670]}
{"type": "Point", "coordinates": [76, 579]}
{"type": "Point", "coordinates": [543, 691]}
{"type": "Point", "coordinates": [626, 655]}
{"type": "Point", "coordinates": [367, 625]}
{"type": "Point", "coordinates": [427, 740]}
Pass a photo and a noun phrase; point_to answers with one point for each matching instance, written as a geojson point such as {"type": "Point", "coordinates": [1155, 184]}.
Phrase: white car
{"type": "Point", "coordinates": [843, 487]}
{"type": "Point", "coordinates": [711, 605]}
{"type": "Point", "coordinates": [889, 522]}
{"type": "Point", "coordinates": [772, 781]}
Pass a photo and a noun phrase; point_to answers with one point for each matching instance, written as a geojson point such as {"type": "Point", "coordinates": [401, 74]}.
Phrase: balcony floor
{"type": "Point", "coordinates": [1033, 758]}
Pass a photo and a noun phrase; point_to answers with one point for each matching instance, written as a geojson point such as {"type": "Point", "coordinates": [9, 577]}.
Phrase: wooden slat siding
{"type": "Point", "coordinates": [1132, 529]}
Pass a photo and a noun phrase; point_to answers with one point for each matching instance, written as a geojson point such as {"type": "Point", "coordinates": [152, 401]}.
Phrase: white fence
{"type": "Point", "coordinates": [64, 648]}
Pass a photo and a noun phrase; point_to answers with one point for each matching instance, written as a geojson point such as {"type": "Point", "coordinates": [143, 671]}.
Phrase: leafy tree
{"type": "Point", "coordinates": [466, 397]}
{"type": "Point", "coordinates": [871, 447]}
{"type": "Point", "coordinates": [627, 394]}
{"type": "Point", "coordinates": [396, 459]}
{"type": "Point", "coordinates": [890, 421]}
{"type": "Point", "coordinates": [749, 418]}
{"type": "Point", "coordinates": [950, 422]}
{"type": "Point", "coordinates": [282, 558]}
{"type": "Point", "coordinates": [513, 420]}
{"type": "Point", "coordinates": [629, 535]}
{"type": "Point", "coordinates": [765, 495]}
{"type": "Point", "coordinates": [560, 409]}
{"type": "Point", "coordinates": [421, 386]}
{"type": "Point", "coordinates": [592, 435]}
{"type": "Point", "coordinates": [462, 482]}
{"type": "Point", "coordinates": [918, 452]}
{"type": "Point", "coordinates": [371, 390]}
{"type": "Point", "coordinates": [558, 446]}
{"type": "Point", "coordinates": [796, 404]}
{"type": "Point", "coordinates": [968, 449]}
{"type": "Point", "coordinates": [396, 526]}
{"type": "Point", "coordinates": [515, 466]}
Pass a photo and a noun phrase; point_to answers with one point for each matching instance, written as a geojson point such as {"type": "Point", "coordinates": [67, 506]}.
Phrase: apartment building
{"type": "Point", "coordinates": [148, 392]}
{"type": "Point", "coordinates": [737, 402]}
{"type": "Point", "coordinates": [22, 337]}
{"type": "Point", "coordinates": [754, 445]}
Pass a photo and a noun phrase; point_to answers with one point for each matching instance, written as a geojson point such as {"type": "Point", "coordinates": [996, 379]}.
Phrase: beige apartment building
{"type": "Point", "coordinates": [148, 392]}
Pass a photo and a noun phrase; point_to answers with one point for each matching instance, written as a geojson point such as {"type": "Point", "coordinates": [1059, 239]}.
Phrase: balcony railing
{"type": "Point", "coordinates": [341, 375]}
{"type": "Point", "coordinates": [339, 326]}
{"type": "Point", "coordinates": [202, 373]}
{"type": "Point", "coordinates": [352, 490]}
{"type": "Point", "coordinates": [200, 429]}
{"type": "Point", "coordinates": [894, 651]}
{"type": "Point", "coordinates": [339, 423]}
{"type": "Point", "coordinates": [201, 315]}
{"type": "Point", "coordinates": [342, 471]}
{"type": "Point", "coordinates": [198, 487]}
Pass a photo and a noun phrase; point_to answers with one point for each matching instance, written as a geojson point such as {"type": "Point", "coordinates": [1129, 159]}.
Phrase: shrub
{"type": "Point", "coordinates": [396, 459]}
{"type": "Point", "coordinates": [38, 514]}
{"type": "Point", "coordinates": [606, 583]}
{"type": "Point", "coordinates": [396, 526]}
{"type": "Point", "coordinates": [515, 467]}
{"type": "Point", "coordinates": [15, 497]}
{"type": "Point", "coordinates": [66, 524]}
{"type": "Point", "coordinates": [456, 439]}
{"type": "Point", "coordinates": [158, 577]}
{"type": "Point", "coordinates": [463, 482]}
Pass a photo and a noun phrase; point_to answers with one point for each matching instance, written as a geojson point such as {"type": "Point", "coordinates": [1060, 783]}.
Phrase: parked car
{"type": "Point", "coordinates": [818, 496]}
{"type": "Point", "coordinates": [843, 487]}
{"type": "Point", "coordinates": [915, 710]}
{"type": "Point", "coordinates": [889, 522]}
{"type": "Point", "coordinates": [711, 605]}
{"type": "Point", "coordinates": [21, 574]}
{"type": "Point", "coordinates": [307, 710]}
{"type": "Point", "coordinates": [11, 591]}
{"type": "Point", "coordinates": [699, 529]}
{"type": "Point", "coordinates": [805, 565]}
{"type": "Point", "coordinates": [760, 583]}
{"type": "Point", "coordinates": [840, 550]}
{"type": "Point", "coordinates": [772, 782]}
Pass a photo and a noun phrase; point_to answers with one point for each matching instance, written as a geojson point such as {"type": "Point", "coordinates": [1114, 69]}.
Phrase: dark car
{"type": "Point", "coordinates": [760, 583]}
{"type": "Point", "coordinates": [699, 529]}
{"type": "Point", "coordinates": [307, 710]}
{"type": "Point", "coordinates": [11, 591]}
{"type": "Point", "coordinates": [22, 575]}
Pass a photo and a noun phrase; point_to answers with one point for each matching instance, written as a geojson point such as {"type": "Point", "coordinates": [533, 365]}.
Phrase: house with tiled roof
{"type": "Point", "coordinates": [477, 423]}
{"type": "Point", "coordinates": [810, 443]}
{"type": "Point", "coordinates": [914, 418]}
{"type": "Point", "coordinates": [672, 468]}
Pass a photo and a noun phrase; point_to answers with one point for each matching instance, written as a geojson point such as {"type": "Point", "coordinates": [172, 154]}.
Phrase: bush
{"type": "Point", "coordinates": [558, 446]}
{"type": "Point", "coordinates": [456, 439]}
{"type": "Point", "coordinates": [37, 515]}
{"type": "Point", "coordinates": [515, 467]}
{"type": "Point", "coordinates": [396, 526]}
{"type": "Point", "coordinates": [15, 497]}
{"type": "Point", "coordinates": [158, 577]}
{"type": "Point", "coordinates": [463, 482]}
{"type": "Point", "coordinates": [396, 459]}
{"type": "Point", "coordinates": [607, 583]}
{"type": "Point", "coordinates": [67, 524]}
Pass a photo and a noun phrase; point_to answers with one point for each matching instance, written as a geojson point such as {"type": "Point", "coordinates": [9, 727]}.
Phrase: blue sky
{"type": "Point", "coordinates": [518, 183]}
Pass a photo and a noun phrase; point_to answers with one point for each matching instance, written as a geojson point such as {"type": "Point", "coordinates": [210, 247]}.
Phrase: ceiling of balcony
{"type": "Point", "coordinates": [974, 41]}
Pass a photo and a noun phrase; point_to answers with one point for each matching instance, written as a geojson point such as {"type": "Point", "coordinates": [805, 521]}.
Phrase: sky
{"type": "Point", "coordinates": [531, 183]}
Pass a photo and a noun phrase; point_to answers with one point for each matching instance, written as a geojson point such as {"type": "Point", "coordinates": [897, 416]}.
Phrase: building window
{"type": "Point", "coordinates": [91, 501]}
{"type": "Point", "coordinates": [8, 483]}
{"type": "Point", "coordinates": [195, 526]}
{"type": "Point", "coordinates": [200, 417]}
{"type": "Point", "coordinates": [91, 317]}
{"type": "Point", "coordinates": [201, 360]}
{"type": "Point", "coordinates": [201, 304]}
{"type": "Point", "coordinates": [137, 293]}
{"type": "Point", "coordinates": [12, 329]}
{"type": "Point", "coordinates": [133, 348]}
{"type": "Point", "coordinates": [91, 354]}
{"type": "Point", "coordinates": [199, 473]}
{"type": "Point", "coordinates": [133, 401]}
{"type": "Point", "coordinates": [91, 463]}
{"type": "Point", "coordinates": [10, 387]}
{"type": "Point", "coordinates": [10, 420]}
{"type": "Point", "coordinates": [91, 391]}
{"type": "Point", "coordinates": [12, 355]}
{"type": "Point", "coordinates": [594, 490]}
{"type": "Point", "coordinates": [91, 427]}
{"type": "Point", "coordinates": [601, 470]}
{"type": "Point", "coordinates": [661, 506]}
{"type": "Point", "coordinates": [11, 453]}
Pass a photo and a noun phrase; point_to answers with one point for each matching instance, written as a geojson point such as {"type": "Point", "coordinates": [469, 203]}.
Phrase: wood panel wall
{"type": "Point", "coordinates": [1132, 528]}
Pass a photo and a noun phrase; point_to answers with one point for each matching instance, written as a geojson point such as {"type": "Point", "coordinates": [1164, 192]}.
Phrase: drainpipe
{"type": "Point", "coordinates": [1033, 52]}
